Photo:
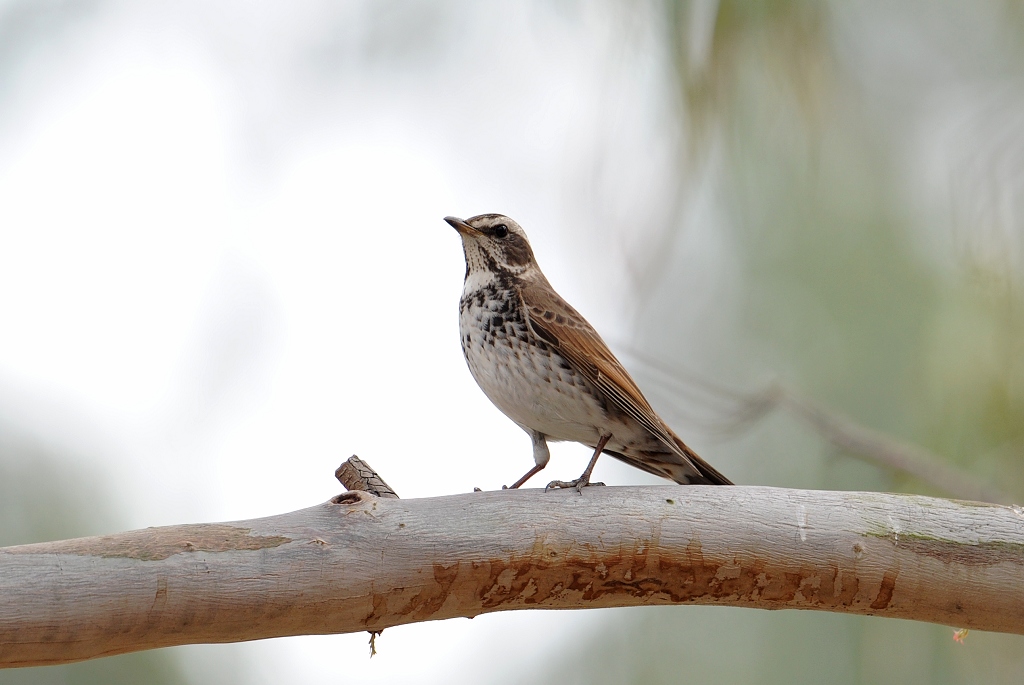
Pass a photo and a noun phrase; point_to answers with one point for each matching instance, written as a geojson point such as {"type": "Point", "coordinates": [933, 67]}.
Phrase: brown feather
{"type": "Point", "coordinates": [555, 321]}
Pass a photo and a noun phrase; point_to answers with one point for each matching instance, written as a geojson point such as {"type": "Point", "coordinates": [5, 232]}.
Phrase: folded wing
{"type": "Point", "coordinates": [555, 321]}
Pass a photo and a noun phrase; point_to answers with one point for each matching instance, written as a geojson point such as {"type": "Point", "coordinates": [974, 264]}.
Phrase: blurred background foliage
{"type": "Point", "coordinates": [897, 303]}
{"type": "Point", "coordinates": [848, 290]}
{"type": "Point", "coordinates": [830, 199]}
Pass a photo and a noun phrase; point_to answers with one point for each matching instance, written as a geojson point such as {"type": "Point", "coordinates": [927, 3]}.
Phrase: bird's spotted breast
{"type": "Point", "coordinates": [492, 315]}
{"type": "Point", "coordinates": [521, 374]}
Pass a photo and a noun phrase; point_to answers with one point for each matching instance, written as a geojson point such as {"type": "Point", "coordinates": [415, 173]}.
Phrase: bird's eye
{"type": "Point", "coordinates": [500, 231]}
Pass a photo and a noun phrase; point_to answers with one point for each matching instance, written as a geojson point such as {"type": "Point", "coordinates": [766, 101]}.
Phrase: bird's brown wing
{"type": "Point", "coordinates": [555, 321]}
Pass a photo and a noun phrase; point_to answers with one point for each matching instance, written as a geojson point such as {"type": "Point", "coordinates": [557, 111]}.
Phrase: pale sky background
{"type": "Point", "coordinates": [224, 267]}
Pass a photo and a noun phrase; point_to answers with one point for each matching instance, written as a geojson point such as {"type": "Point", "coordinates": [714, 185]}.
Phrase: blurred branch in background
{"type": "Point", "coordinates": [885, 451]}
{"type": "Point", "coordinates": [738, 411]}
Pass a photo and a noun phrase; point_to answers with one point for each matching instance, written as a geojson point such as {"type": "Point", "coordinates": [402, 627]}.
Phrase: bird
{"type": "Point", "coordinates": [546, 368]}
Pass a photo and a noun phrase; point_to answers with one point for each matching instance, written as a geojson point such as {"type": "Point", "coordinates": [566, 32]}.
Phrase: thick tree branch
{"type": "Point", "coordinates": [362, 562]}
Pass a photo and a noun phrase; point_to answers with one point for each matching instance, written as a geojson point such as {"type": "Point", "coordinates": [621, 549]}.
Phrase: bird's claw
{"type": "Point", "coordinates": [579, 484]}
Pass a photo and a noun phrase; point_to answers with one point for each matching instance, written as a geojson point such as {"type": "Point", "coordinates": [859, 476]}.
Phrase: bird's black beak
{"type": "Point", "coordinates": [461, 226]}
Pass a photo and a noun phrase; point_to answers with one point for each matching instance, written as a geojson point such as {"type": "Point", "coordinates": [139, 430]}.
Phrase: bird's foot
{"type": "Point", "coordinates": [579, 484]}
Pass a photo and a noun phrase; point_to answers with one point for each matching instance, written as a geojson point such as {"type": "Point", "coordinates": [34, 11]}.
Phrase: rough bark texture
{"type": "Point", "coordinates": [361, 563]}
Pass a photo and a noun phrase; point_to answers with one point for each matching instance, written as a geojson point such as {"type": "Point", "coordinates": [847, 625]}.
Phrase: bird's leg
{"type": "Point", "coordinates": [529, 474]}
{"type": "Point", "coordinates": [584, 480]}
{"type": "Point", "coordinates": [541, 455]}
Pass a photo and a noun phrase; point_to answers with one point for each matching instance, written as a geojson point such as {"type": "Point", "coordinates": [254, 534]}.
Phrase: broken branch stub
{"type": "Point", "coordinates": [356, 474]}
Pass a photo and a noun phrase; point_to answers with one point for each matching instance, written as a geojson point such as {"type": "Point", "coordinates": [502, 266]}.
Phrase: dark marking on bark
{"type": "Point", "coordinates": [380, 606]}
{"type": "Point", "coordinates": [160, 599]}
{"type": "Point", "coordinates": [957, 552]}
{"type": "Point", "coordinates": [431, 598]}
{"type": "Point", "coordinates": [885, 591]}
{"type": "Point", "coordinates": [644, 572]}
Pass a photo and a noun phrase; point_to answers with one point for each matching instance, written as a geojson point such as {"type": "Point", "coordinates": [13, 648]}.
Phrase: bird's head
{"type": "Point", "coordinates": [494, 243]}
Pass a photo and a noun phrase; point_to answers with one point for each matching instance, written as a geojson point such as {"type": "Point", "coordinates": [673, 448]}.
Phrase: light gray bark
{"type": "Point", "coordinates": [364, 563]}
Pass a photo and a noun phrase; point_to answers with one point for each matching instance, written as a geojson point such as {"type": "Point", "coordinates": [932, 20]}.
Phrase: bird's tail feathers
{"type": "Point", "coordinates": [709, 475]}
{"type": "Point", "coordinates": [694, 471]}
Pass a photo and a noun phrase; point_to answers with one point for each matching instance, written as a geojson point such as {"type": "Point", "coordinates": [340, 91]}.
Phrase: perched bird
{"type": "Point", "coordinates": [548, 370]}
